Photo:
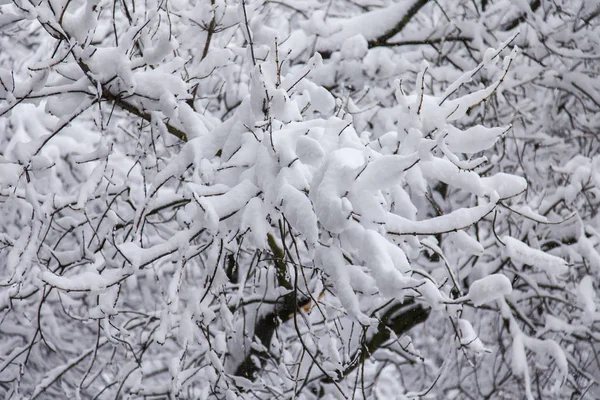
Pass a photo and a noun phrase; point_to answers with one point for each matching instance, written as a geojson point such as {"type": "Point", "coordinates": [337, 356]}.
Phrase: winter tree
{"type": "Point", "coordinates": [311, 199]}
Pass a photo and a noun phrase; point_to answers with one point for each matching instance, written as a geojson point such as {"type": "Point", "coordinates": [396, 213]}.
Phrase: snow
{"type": "Point", "coordinates": [79, 22]}
{"type": "Point", "coordinates": [53, 375]}
{"type": "Point", "coordinates": [252, 218]}
{"type": "Point", "coordinates": [505, 185]}
{"type": "Point", "coordinates": [282, 108]}
{"type": "Point", "coordinates": [432, 295]}
{"type": "Point", "coordinates": [215, 361]}
{"type": "Point", "coordinates": [586, 296]}
{"type": "Point", "coordinates": [529, 213]}
{"type": "Point", "coordinates": [233, 200]}
{"type": "Point", "coordinates": [370, 25]}
{"type": "Point", "coordinates": [465, 243]}
{"type": "Point", "coordinates": [489, 288]}
{"type": "Point", "coordinates": [447, 172]}
{"type": "Point", "coordinates": [84, 281]}
{"type": "Point", "coordinates": [587, 250]}
{"type": "Point", "coordinates": [355, 47]}
{"type": "Point", "coordinates": [384, 172]}
{"type": "Point", "coordinates": [320, 98]}
{"type": "Point", "coordinates": [522, 254]}
{"type": "Point", "coordinates": [160, 49]}
{"type": "Point", "coordinates": [549, 348]}
{"type": "Point", "coordinates": [488, 56]}
{"type": "Point", "coordinates": [374, 252]}
{"type": "Point", "coordinates": [299, 212]}
{"type": "Point", "coordinates": [474, 139]}
{"type": "Point", "coordinates": [140, 257]}
{"type": "Point", "coordinates": [519, 358]}
{"type": "Point", "coordinates": [336, 267]}
{"type": "Point", "coordinates": [9, 173]}
{"type": "Point", "coordinates": [309, 151]}
{"type": "Point", "coordinates": [90, 185]}
{"type": "Point", "coordinates": [558, 325]}
{"type": "Point", "coordinates": [372, 152]}
{"type": "Point", "coordinates": [328, 188]}
{"type": "Point", "coordinates": [454, 221]}
{"type": "Point", "coordinates": [469, 338]}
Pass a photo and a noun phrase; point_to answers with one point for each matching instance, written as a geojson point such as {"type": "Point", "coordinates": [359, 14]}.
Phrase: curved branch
{"type": "Point", "coordinates": [410, 13]}
{"type": "Point", "coordinates": [398, 318]}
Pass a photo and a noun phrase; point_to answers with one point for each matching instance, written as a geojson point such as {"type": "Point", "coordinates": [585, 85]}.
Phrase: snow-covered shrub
{"type": "Point", "coordinates": [225, 199]}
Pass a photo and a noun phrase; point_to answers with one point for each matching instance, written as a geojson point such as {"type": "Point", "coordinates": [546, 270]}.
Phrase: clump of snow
{"type": "Point", "coordinates": [469, 338]}
{"type": "Point", "coordinates": [465, 243]}
{"type": "Point", "coordinates": [432, 295]}
{"type": "Point", "coordinates": [521, 253]}
{"type": "Point", "coordinates": [586, 295]}
{"type": "Point", "coordinates": [355, 47]}
{"type": "Point", "coordinates": [489, 288]}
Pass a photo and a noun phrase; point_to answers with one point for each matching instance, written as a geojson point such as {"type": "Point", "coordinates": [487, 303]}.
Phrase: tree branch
{"type": "Point", "coordinates": [398, 318]}
{"type": "Point", "coordinates": [109, 96]}
{"type": "Point", "coordinates": [381, 40]}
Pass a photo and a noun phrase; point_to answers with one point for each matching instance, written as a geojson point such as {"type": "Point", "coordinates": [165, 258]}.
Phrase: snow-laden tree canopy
{"type": "Point", "coordinates": [311, 199]}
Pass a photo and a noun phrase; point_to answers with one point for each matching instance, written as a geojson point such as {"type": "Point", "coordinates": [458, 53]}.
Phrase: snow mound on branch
{"type": "Point", "coordinates": [489, 288]}
{"type": "Point", "coordinates": [469, 338]}
{"type": "Point", "coordinates": [522, 254]}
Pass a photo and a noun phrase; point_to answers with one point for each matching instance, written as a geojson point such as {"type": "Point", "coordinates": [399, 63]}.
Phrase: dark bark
{"type": "Point", "coordinates": [382, 40]}
{"type": "Point", "coordinates": [398, 318]}
{"type": "Point", "coordinates": [535, 4]}
{"type": "Point", "coordinates": [264, 330]}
